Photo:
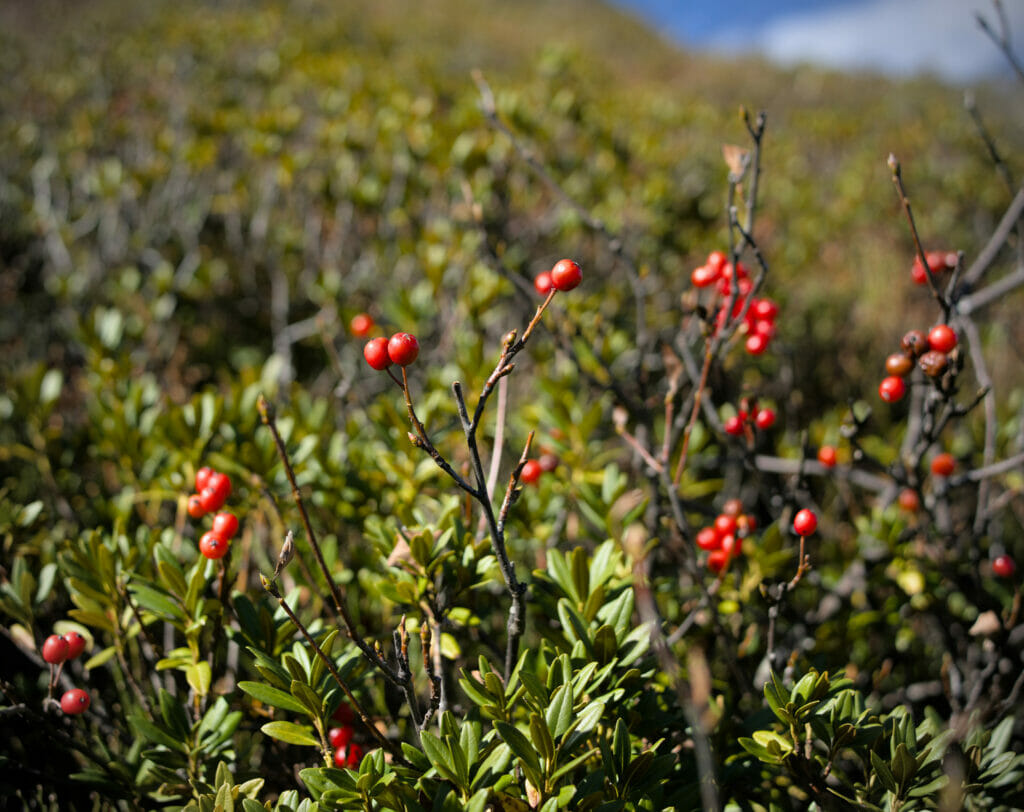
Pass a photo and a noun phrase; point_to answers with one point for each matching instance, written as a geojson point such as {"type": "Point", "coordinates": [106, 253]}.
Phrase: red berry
{"type": "Point", "coordinates": [704, 275]}
{"type": "Point", "coordinates": [717, 260]}
{"type": "Point", "coordinates": [566, 275]}
{"type": "Point", "coordinates": [195, 507]}
{"type": "Point", "coordinates": [734, 426]}
{"type": "Point", "coordinates": [725, 525]}
{"type": "Point", "coordinates": [203, 477]}
{"type": "Point", "coordinates": [757, 343]}
{"type": "Point", "coordinates": [343, 714]}
{"type": "Point", "coordinates": [542, 282]}
{"type": "Point", "coordinates": [376, 353]}
{"type": "Point", "coordinates": [403, 348]}
{"type": "Point", "coordinates": [361, 325]}
{"type": "Point", "coordinates": [917, 272]}
{"type": "Point", "coordinates": [943, 464]}
{"type": "Point", "coordinates": [805, 522]}
{"type": "Point", "coordinates": [892, 389]}
{"type": "Point", "coordinates": [732, 507]}
{"type": "Point", "coordinates": [746, 524]}
{"type": "Point", "coordinates": [548, 462]}
{"type": "Point", "coordinates": [340, 736]}
{"type": "Point", "coordinates": [909, 500]}
{"type": "Point", "coordinates": [531, 472]}
{"type": "Point", "coordinates": [708, 539]}
{"type": "Point", "coordinates": [1003, 566]}
{"type": "Point", "coordinates": [225, 525]}
{"type": "Point", "coordinates": [732, 545]}
{"type": "Point", "coordinates": [827, 456]}
{"type": "Point", "coordinates": [74, 702]}
{"type": "Point", "coordinates": [212, 546]}
{"type": "Point", "coordinates": [941, 338]}
{"type": "Point", "coordinates": [718, 560]}
{"type": "Point", "coordinates": [55, 649]}
{"type": "Point", "coordinates": [76, 643]}
{"type": "Point", "coordinates": [354, 756]}
{"type": "Point", "coordinates": [764, 310]}
{"type": "Point", "coordinates": [221, 483]}
{"type": "Point", "coordinates": [765, 419]}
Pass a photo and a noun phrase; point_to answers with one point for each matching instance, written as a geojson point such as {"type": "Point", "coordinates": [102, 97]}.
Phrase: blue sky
{"type": "Point", "coordinates": [898, 37]}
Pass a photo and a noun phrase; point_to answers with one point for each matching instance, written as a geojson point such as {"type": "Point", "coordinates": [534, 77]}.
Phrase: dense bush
{"type": "Point", "coordinates": [493, 586]}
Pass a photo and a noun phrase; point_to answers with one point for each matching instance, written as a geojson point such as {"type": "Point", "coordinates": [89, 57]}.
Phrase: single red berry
{"type": "Point", "coordinates": [531, 472]}
{"type": "Point", "coordinates": [76, 643]}
{"type": "Point", "coordinates": [909, 500]}
{"type": "Point", "coordinates": [343, 714]}
{"type": "Point", "coordinates": [917, 272]}
{"type": "Point", "coordinates": [717, 260]}
{"type": "Point", "coordinates": [765, 419]}
{"type": "Point", "coordinates": [221, 486]}
{"type": "Point", "coordinates": [212, 545]}
{"type": "Point", "coordinates": [827, 456]}
{"type": "Point", "coordinates": [542, 282]}
{"type": "Point", "coordinates": [361, 325]}
{"type": "Point", "coordinates": [757, 343]}
{"type": "Point", "coordinates": [725, 524]}
{"type": "Point", "coordinates": [704, 276]}
{"type": "Point", "coordinates": [55, 649]}
{"type": "Point", "coordinates": [340, 754]}
{"type": "Point", "coordinates": [208, 500]}
{"type": "Point", "coordinates": [732, 545]}
{"type": "Point", "coordinates": [340, 736]}
{"type": "Point", "coordinates": [732, 507]}
{"type": "Point", "coordinates": [203, 477]}
{"type": "Point", "coordinates": [943, 464]}
{"type": "Point", "coordinates": [941, 338]}
{"type": "Point", "coordinates": [764, 310]}
{"type": "Point", "coordinates": [898, 364]}
{"type": "Point", "coordinates": [1003, 566]}
{"type": "Point", "coordinates": [734, 426]}
{"type": "Point", "coordinates": [376, 353]}
{"type": "Point", "coordinates": [765, 328]}
{"type": "Point", "coordinates": [195, 507]}
{"type": "Point", "coordinates": [354, 755]}
{"type": "Point", "coordinates": [805, 522]}
{"type": "Point", "coordinates": [74, 702]}
{"type": "Point", "coordinates": [718, 560]}
{"type": "Point", "coordinates": [225, 525]}
{"type": "Point", "coordinates": [708, 539]}
{"type": "Point", "coordinates": [892, 389]}
{"type": "Point", "coordinates": [566, 275]}
{"type": "Point", "coordinates": [403, 348]}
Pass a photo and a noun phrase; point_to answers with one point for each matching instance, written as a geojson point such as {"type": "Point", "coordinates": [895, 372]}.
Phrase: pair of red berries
{"type": "Point", "coordinates": [938, 261]}
{"type": "Point", "coordinates": [213, 489]}
{"type": "Point", "coordinates": [931, 352]}
{"type": "Point", "coordinates": [564, 276]}
{"type": "Point", "coordinates": [401, 349]}
{"type": "Point", "coordinates": [347, 753]}
{"type": "Point", "coordinates": [749, 412]}
{"type": "Point", "coordinates": [58, 649]}
{"type": "Point", "coordinates": [723, 539]}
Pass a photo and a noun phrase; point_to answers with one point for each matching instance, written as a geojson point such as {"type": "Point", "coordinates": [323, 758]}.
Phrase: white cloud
{"type": "Point", "coordinates": [892, 36]}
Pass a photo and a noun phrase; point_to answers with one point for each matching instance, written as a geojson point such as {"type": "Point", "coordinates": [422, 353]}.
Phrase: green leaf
{"type": "Point", "coordinates": [559, 713]}
{"type": "Point", "coordinates": [883, 772]}
{"type": "Point", "coordinates": [156, 734]}
{"type": "Point", "coordinates": [47, 575]}
{"type": "Point", "coordinates": [199, 677]}
{"type": "Point", "coordinates": [274, 697]}
{"type": "Point", "coordinates": [312, 704]}
{"type": "Point", "coordinates": [519, 745]}
{"type": "Point", "coordinates": [439, 755]}
{"type": "Point", "coordinates": [291, 733]}
{"type": "Point", "coordinates": [99, 658]}
{"type": "Point", "coordinates": [589, 717]}
{"type": "Point", "coordinates": [173, 714]}
{"type": "Point", "coordinates": [156, 602]}
{"type": "Point", "coordinates": [541, 737]}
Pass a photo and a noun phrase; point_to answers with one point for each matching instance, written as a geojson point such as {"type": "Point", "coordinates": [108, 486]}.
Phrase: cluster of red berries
{"type": "Point", "coordinates": [759, 322]}
{"type": "Point", "coordinates": [361, 325]}
{"type": "Point", "coordinates": [723, 538]}
{"type": "Point", "coordinates": [347, 753]}
{"type": "Point", "coordinates": [401, 349]}
{"type": "Point", "coordinates": [938, 261]}
{"type": "Point", "coordinates": [212, 491]}
{"type": "Point", "coordinates": [564, 275]}
{"type": "Point", "coordinates": [534, 469]}
{"type": "Point", "coordinates": [748, 414]}
{"type": "Point", "coordinates": [931, 352]}
{"type": "Point", "coordinates": [58, 649]}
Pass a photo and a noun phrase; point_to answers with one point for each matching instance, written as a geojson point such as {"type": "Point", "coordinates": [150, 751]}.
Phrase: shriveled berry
{"type": "Point", "coordinates": [548, 462]}
{"type": "Point", "coordinates": [55, 649]}
{"type": "Point", "coordinates": [403, 348]}
{"type": "Point", "coordinates": [566, 275]}
{"type": "Point", "coordinates": [933, 363]}
{"type": "Point", "coordinates": [914, 343]}
{"type": "Point", "coordinates": [1003, 566]}
{"type": "Point", "coordinates": [531, 472]}
{"type": "Point", "coordinates": [899, 364]}
{"type": "Point", "coordinates": [76, 643]}
{"type": "Point", "coordinates": [212, 545]}
{"type": "Point", "coordinates": [542, 283]}
{"type": "Point", "coordinates": [225, 525]}
{"type": "Point", "coordinates": [74, 702]}
{"type": "Point", "coordinates": [827, 456]}
{"type": "Point", "coordinates": [942, 338]}
{"type": "Point", "coordinates": [943, 464]}
{"type": "Point", "coordinates": [376, 353]}
{"type": "Point", "coordinates": [805, 522]}
{"type": "Point", "coordinates": [892, 389]}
